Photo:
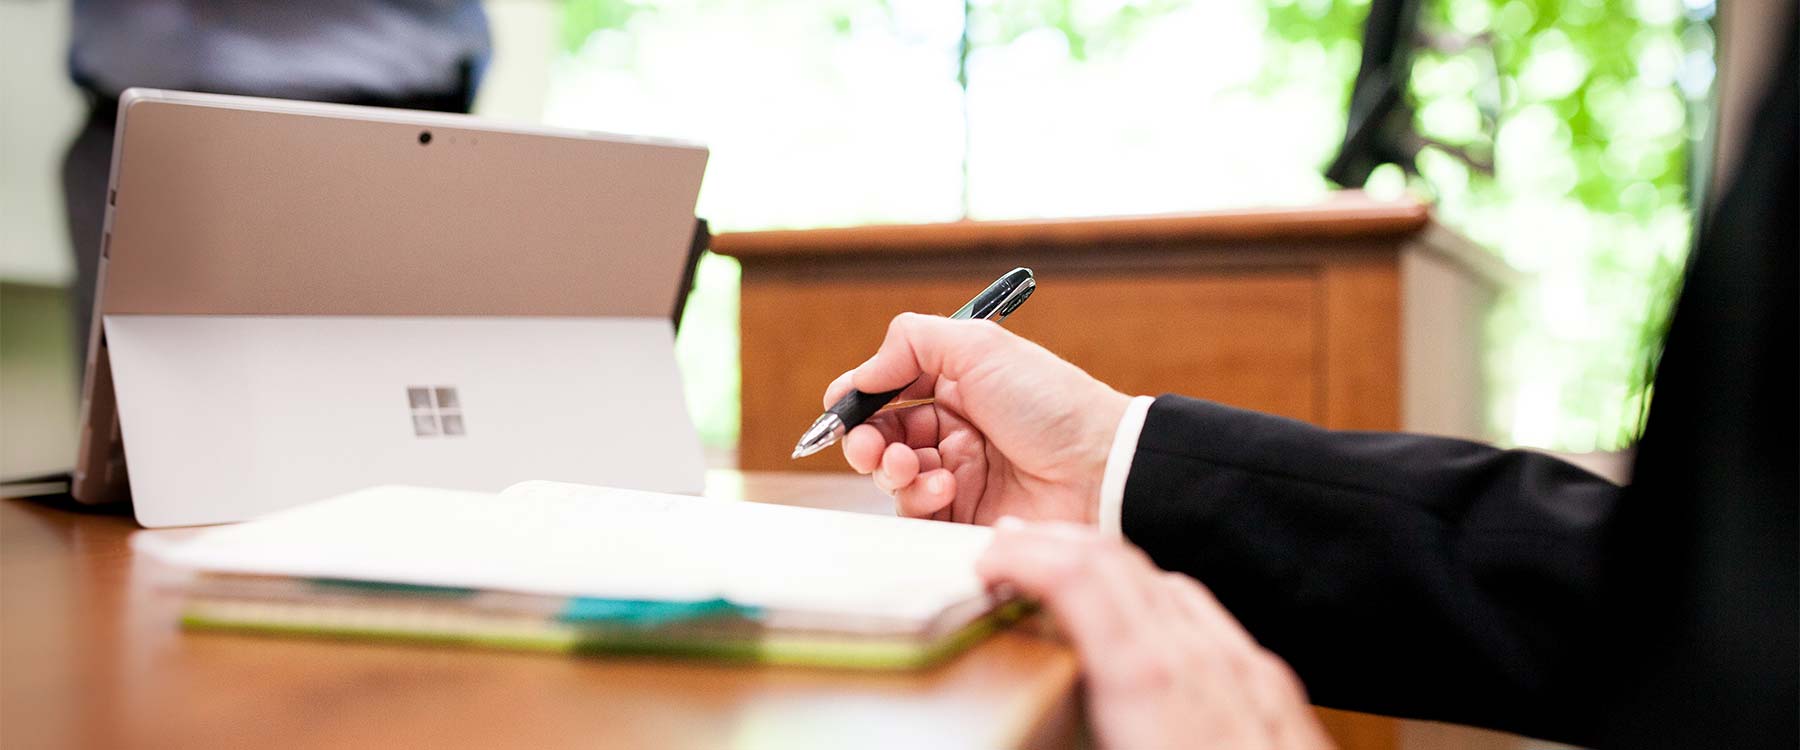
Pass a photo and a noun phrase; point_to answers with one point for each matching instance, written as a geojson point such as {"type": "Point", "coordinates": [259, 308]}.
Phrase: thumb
{"type": "Point", "coordinates": [928, 345]}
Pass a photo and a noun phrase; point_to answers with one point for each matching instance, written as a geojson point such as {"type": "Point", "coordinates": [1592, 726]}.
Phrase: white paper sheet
{"type": "Point", "coordinates": [573, 540]}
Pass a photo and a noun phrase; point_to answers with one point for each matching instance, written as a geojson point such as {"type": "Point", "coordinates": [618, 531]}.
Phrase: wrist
{"type": "Point", "coordinates": [1109, 411]}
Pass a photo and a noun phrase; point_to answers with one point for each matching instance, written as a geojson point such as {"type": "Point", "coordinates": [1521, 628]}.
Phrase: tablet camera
{"type": "Point", "coordinates": [424, 137]}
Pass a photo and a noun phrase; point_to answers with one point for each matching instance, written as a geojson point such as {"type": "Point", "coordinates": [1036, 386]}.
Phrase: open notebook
{"type": "Point", "coordinates": [573, 568]}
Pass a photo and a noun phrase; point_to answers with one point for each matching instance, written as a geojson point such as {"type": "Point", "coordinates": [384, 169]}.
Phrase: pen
{"type": "Point", "coordinates": [994, 303]}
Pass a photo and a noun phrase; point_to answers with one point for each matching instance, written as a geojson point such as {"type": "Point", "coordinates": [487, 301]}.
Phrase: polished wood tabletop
{"type": "Point", "coordinates": [91, 656]}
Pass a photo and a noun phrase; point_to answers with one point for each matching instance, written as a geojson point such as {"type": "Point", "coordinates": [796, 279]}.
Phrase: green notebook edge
{"type": "Point", "coordinates": [775, 649]}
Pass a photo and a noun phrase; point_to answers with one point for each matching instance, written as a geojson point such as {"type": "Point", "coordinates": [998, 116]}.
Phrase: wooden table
{"type": "Point", "coordinates": [1352, 313]}
{"type": "Point", "coordinates": [91, 657]}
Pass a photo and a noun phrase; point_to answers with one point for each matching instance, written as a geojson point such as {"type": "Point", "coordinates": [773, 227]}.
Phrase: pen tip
{"type": "Point", "coordinates": [823, 432]}
{"type": "Point", "coordinates": [808, 447]}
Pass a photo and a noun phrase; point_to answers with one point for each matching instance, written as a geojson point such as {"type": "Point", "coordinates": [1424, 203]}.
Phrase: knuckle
{"type": "Point", "coordinates": [1074, 564]}
{"type": "Point", "coordinates": [1239, 662]}
{"type": "Point", "coordinates": [911, 503]}
{"type": "Point", "coordinates": [1097, 550]}
{"type": "Point", "coordinates": [1091, 547]}
{"type": "Point", "coordinates": [1065, 573]}
{"type": "Point", "coordinates": [1217, 656]}
{"type": "Point", "coordinates": [1142, 671]}
{"type": "Point", "coordinates": [1138, 556]}
{"type": "Point", "coordinates": [1207, 654]}
{"type": "Point", "coordinates": [1272, 668]}
{"type": "Point", "coordinates": [905, 322]}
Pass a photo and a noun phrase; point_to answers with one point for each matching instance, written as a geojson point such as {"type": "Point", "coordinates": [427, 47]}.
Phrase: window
{"type": "Point", "coordinates": [859, 111]}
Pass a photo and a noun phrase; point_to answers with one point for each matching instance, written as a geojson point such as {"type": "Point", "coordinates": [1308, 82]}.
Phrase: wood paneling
{"type": "Point", "coordinates": [1359, 362]}
{"type": "Point", "coordinates": [1246, 338]}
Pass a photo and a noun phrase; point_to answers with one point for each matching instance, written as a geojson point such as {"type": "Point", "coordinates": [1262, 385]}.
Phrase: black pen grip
{"type": "Point", "coordinates": [856, 407]}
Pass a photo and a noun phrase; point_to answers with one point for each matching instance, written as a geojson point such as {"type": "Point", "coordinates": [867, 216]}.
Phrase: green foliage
{"type": "Point", "coordinates": [1316, 21]}
{"type": "Point", "coordinates": [1589, 194]}
{"type": "Point", "coordinates": [581, 18]}
{"type": "Point", "coordinates": [707, 350]}
{"type": "Point", "coordinates": [999, 22]}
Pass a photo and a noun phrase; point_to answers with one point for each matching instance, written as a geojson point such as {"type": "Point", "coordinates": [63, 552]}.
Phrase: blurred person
{"type": "Point", "coordinates": [407, 54]}
{"type": "Point", "coordinates": [1397, 574]}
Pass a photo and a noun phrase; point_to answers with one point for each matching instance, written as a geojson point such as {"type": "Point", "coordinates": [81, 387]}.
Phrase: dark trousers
{"type": "Point", "coordinates": [88, 165]}
{"type": "Point", "coordinates": [85, 170]}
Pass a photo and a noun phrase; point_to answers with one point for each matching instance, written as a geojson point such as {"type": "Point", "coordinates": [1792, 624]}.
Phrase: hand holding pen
{"type": "Point", "coordinates": [994, 303]}
{"type": "Point", "coordinates": [1013, 429]}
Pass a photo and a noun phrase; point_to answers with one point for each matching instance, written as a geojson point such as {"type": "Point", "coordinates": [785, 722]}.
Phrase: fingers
{"type": "Point", "coordinates": [927, 345]}
{"type": "Point", "coordinates": [1224, 646]}
{"type": "Point", "coordinates": [930, 493]}
{"type": "Point", "coordinates": [915, 428]}
{"type": "Point", "coordinates": [843, 384]}
{"type": "Point", "coordinates": [1280, 700]}
{"type": "Point", "coordinates": [837, 389]}
{"type": "Point", "coordinates": [1194, 604]}
{"type": "Point", "coordinates": [1165, 663]}
{"type": "Point", "coordinates": [916, 478]}
{"type": "Point", "coordinates": [1066, 574]}
{"type": "Point", "coordinates": [899, 464]}
{"type": "Point", "coordinates": [863, 446]}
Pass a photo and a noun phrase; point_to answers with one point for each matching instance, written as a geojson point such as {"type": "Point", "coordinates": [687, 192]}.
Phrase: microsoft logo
{"type": "Point", "coordinates": [436, 410]}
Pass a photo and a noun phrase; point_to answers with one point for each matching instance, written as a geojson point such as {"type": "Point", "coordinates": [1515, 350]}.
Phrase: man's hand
{"type": "Point", "coordinates": [1165, 665]}
{"type": "Point", "coordinates": [1015, 429]}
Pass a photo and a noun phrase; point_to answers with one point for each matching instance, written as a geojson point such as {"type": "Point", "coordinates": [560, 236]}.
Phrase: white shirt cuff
{"type": "Point", "coordinates": [1118, 465]}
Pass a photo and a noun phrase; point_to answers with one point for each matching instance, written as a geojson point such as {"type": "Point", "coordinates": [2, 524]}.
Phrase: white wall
{"type": "Point", "coordinates": [525, 39]}
{"type": "Point", "coordinates": [40, 109]}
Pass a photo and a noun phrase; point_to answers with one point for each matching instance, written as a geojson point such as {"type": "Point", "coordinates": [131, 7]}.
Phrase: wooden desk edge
{"type": "Point", "coordinates": [1347, 216]}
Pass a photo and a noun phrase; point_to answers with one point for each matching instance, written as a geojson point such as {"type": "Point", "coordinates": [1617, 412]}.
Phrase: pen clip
{"type": "Point", "coordinates": [1000, 299]}
{"type": "Point", "coordinates": [1013, 300]}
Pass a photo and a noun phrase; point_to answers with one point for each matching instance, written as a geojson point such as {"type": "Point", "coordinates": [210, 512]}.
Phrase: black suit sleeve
{"type": "Point", "coordinates": [1398, 574]}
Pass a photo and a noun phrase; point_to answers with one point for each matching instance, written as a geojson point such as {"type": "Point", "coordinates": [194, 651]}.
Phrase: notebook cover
{"type": "Point", "coordinates": [549, 634]}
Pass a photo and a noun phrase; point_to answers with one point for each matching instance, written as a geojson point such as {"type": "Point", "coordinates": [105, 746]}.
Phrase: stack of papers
{"type": "Point", "coordinates": [570, 568]}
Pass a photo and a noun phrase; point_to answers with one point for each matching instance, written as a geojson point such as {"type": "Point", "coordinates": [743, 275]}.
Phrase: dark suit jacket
{"type": "Point", "coordinates": [1443, 579]}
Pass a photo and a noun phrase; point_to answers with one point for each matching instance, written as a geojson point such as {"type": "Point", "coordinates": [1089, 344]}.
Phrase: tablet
{"type": "Point", "coordinates": [427, 282]}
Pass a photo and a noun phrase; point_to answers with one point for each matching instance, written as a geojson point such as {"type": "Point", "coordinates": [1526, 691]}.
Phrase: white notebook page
{"type": "Point", "coordinates": [573, 540]}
